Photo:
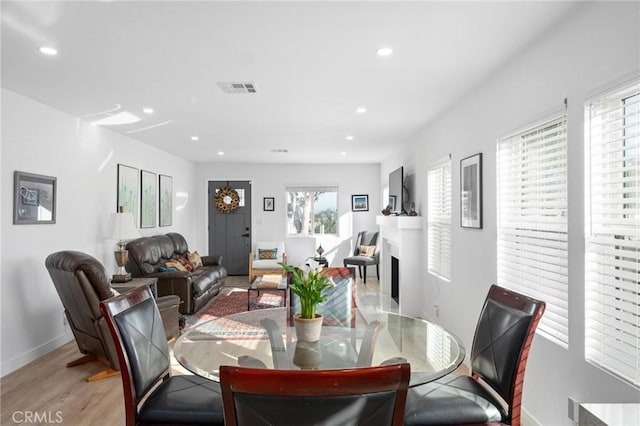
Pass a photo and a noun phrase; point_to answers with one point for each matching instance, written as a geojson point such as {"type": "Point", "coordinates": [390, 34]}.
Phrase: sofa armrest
{"type": "Point", "coordinates": [211, 260]}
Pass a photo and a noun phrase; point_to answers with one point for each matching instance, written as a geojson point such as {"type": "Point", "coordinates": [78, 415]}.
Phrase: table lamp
{"type": "Point", "coordinates": [121, 228]}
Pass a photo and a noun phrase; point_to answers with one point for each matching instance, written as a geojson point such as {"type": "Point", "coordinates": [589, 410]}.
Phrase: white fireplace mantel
{"type": "Point", "coordinates": [401, 237]}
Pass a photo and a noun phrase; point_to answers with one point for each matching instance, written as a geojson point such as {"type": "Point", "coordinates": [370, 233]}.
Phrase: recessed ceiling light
{"type": "Point", "coordinates": [361, 110]}
{"type": "Point", "coordinates": [349, 138]}
{"type": "Point", "coordinates": [147, 110]}
{"type": "Point", "coordinates": [384, 51]}
{"type": "Point", "coordinates": [220, 153]}
{"type": "Point", "coordinates": [195, 138]}
{"type": "Point", "coordinates": [46, 50]}
{"type": "Point", "coordinates": [343, 153]}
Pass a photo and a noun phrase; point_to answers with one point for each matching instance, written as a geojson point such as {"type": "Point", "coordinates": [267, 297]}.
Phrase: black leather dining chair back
{"type": "Point", "coordinates": [151, 395]}
{"type": "Point", "coordinates": [501, 346]}
{"type": "Point", "coordinates": [373, 396]}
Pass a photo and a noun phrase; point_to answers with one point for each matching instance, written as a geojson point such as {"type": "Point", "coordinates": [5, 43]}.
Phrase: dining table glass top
{"type": "Point", "coordinates": [265, 338]}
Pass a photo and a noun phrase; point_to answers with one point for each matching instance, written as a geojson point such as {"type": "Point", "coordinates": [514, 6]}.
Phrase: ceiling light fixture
{"type": "Point", "coordinates": [195, 138]}
{"type": "Point", "coordinates": [124, 117]}
{"type": "Point", "coordinates": [361, 110]}
{"type": "Point", "coordinates": [343, 153]}
{"type": "Point", "coordinates": [220, 153]}
{"type": "Point", "coordinates": [384, 51]}
{"type": "Point", "coordinates": [49, 51]}
{"type": "Point", "coordinates": [147, 110]}
{"type": "Point", "coordinates": [349, 138]}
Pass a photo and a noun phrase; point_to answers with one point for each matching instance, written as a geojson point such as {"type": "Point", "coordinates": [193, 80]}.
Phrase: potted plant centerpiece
{"type": "Point", "coordinates": [308, 283]}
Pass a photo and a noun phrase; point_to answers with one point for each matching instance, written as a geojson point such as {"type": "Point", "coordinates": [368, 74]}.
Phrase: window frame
{"type": "Point", "coordinates": [311, 188]}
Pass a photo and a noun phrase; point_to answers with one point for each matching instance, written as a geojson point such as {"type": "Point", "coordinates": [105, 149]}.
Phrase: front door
{"type": "Point", "coordinates": [230, 233]}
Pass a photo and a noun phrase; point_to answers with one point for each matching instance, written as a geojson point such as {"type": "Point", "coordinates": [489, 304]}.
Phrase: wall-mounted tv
{"type": "Point", "coordinates": [396, 191]}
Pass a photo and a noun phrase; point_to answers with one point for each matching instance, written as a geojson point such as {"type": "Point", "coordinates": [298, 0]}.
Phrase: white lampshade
{"type": "Point", "coordinates": [122, 227]}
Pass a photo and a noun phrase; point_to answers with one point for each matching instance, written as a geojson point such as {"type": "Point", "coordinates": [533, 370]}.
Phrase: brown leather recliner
{"type": "Point", "coordinates": [82, 282]}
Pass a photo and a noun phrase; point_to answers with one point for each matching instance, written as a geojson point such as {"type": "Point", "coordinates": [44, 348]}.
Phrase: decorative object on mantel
{"type": "Point", "coordinates": [387, 211]}
{"type": "Point", "coordinates": [471, 192]}
{"type": "Point", "coordinates": [122, 228]}
{"type": "Point", "coordinates": [320, 250]}
{"type": "Point", "coordinates": [34, 199]}
{"type": "Point", "coordinates": [166, 200]}
{"type": "Point", "coordinates": [413, 209]}
{"type": "Point", "coordinates": [227, 199]}
{"type": "Point", "coordinates": [308, 283]}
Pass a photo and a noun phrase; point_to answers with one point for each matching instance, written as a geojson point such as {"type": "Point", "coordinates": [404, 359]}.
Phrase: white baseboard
{"type": "Point", "coordinates": [527, 419]}
{"type": "Point", "coordinates": [23, 359]}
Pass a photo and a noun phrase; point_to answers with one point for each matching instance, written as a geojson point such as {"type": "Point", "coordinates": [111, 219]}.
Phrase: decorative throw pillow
{"type": "Point", "coordinates": [184, 262]}
{"type": "Point", "coordinates": [163, 269]}
{"type": "Point", "coordinates": [195, 259]}
{"type": "Point", "coordinates": [174, 264]}
{"type": "Point", "coordinates": [366, 250]}
{"type": "Point", "coordinates": [264, 254]}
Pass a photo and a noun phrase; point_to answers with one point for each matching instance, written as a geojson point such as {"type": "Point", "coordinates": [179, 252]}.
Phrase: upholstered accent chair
{"type": "Point", "coordinates": [499, 355]}
{"type": "Point", "coordinates": [264, 260]}
{"type": "Point", "coordinates": [82, 283]}
{"type": "Point", "coordinates": [151, 395]}
{"type": "Point", "coordinates": [365, 253]}
{"type": "Point", "coordinates": [363, 396]}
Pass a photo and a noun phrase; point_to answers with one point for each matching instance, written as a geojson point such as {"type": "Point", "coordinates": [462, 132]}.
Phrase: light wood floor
{"type": "Point", "coordinates": [64, 396]}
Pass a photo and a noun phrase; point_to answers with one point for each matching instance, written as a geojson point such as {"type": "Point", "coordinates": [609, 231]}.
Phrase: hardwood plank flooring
{"type": "Point", "coordinates": [58, 395]}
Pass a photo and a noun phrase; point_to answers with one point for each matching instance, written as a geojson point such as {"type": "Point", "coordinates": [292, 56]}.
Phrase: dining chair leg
{"type": "Point", "coordinates": [378, 271]}
{"type": "Point", "coordinates": [365, 274]}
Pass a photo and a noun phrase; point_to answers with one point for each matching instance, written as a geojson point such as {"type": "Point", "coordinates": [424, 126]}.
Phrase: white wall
{"type": "Point", "coordinates": [84, 158]}
{"type": "Point", "coordinates": [270, 180]}
{"type": "Point", "coordinates": [590, 51]}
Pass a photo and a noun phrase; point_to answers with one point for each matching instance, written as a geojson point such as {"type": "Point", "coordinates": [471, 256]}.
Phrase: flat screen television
{"type": "Point", "coordinates": [396, 191]}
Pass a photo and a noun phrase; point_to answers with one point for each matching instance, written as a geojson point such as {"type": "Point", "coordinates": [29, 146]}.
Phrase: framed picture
{"type": "Point", "coordinates": [148, 199]}
{"type": "Point", "coordinates": [34, 199]}
{"type": "Point", "coordinates": [471, 192]}
{"type": "Point", "coordinates": [166, 200]}
{"type": "Point", "coordinates": [392, 202]}
{"type": "Point", "coordinates": [268, 204]}
{"type": "Point", "coordinates": [360, 203]}
{"type": "Point", "coordinates": [128, 190]}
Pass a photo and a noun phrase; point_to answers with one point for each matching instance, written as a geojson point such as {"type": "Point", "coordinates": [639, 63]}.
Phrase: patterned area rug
{"type": "Point", "coordinates": [232, 300]}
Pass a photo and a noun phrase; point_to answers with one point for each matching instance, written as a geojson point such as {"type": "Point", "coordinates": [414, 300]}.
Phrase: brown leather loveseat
{"type": "Point", "coordinates": [148, 257]}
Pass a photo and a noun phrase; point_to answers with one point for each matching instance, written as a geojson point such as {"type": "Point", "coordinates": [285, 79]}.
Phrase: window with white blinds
{"type": "Point", "coordinates": [612, 258]}
{"type": "Point", "coordinates": [532, 220]}
{"type": "Point", "coordinates": [439, 219]}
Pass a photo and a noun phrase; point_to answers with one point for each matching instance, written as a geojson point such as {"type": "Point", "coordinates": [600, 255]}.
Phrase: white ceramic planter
{"type": "Point", "coordinates": [308, 330]}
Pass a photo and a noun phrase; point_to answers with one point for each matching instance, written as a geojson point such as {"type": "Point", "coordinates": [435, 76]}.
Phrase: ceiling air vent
{"type": "Point", "coordinates": [282, 150]}
{"type": "Point", "coordinates": [228, 87]}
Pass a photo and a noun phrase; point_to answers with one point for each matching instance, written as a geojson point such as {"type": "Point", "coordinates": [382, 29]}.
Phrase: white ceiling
{"type": "Point", "coordinates": [313, 63]}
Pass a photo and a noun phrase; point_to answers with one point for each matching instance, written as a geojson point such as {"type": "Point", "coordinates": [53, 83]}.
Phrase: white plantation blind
{"type": "Point", "coordinates": [532, 220]}
{"type": "Point", "coordinates": [612, 258]}
{"type": "Point", "coordinates": [439, 219]}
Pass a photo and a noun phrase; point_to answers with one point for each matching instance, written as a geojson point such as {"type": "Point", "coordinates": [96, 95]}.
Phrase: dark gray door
{"type": "Point", "coordinates": [230, 233]}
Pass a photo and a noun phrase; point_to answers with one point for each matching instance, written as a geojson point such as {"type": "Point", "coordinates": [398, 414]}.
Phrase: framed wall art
{"type": "Point", "coordinates": [166, 200]}
{"type": "Point", "coordinates": [359, 203]}
{"type": "Point", "coordinates": [128, 190]}
{"type": "Point", "coordinates": [471, 192]}
{"type": "Point", "coordinates": [148, 199]}
{"type": "Point", "coordinates": [34, 199]}
{"type": "Point", "coordinates": [268, 204]}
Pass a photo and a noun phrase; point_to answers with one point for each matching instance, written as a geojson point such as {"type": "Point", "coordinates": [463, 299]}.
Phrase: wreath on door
{"type": "Point", "coordinates": [227, 199]}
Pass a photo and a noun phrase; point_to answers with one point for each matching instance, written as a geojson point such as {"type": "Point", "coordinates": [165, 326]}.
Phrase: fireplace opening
{"type": "Point", "coordinates": [395, 289]}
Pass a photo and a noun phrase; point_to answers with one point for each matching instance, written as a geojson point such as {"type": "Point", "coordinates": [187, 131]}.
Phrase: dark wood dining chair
{"type": "Point", "coordinates": [499, 355]}
{"type": "Point", "coordinates": [151, 395]}
{"type": "Point", "coordinates": [372, 396]}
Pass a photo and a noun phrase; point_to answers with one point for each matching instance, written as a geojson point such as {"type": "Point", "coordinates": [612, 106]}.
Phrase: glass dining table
{"type": "Point", "coordinates": [266, 338]}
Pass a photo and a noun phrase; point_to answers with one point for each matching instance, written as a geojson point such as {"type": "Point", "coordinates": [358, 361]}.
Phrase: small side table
{"type": "Point", "coordinates": [255, 287]}
{"type": "Point", "coordinates": [137, 282]}
{"type": "Point", "coordinates": [321, 260]}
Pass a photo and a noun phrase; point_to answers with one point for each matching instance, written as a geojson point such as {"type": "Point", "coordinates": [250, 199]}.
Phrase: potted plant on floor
{"type": "Point", "coordinates": [308, 283]}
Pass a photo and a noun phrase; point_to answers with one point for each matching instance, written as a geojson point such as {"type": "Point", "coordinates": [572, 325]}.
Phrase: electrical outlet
{"type": "Point", "coordinates": [64, 319]}
{"type": "Point", "coordinates": [573, 407]}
